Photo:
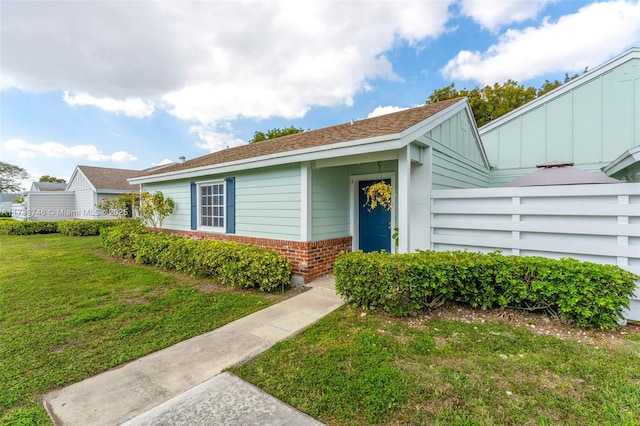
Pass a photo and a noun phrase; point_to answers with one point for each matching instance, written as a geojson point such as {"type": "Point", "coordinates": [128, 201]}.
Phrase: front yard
{"type": "Point", "coordinates": [68, 311]}
{"type": "Point", "coordinates": [454, 366]}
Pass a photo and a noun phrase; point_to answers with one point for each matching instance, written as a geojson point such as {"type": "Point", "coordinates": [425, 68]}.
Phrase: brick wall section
{"type": "Point", "coordinates": [309, 259]}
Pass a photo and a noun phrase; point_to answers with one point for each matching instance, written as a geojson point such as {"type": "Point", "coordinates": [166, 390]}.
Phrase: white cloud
{"type": "Point", "coordinates": [494, 14]}
{"type": "Point", "coordinates": [382, 110]}
{"type": "Point", "coordinates": [165, 162]}
{"type": "Point", "coordinates": [132, 107]}
{"type": "Point", "coordinates": [213, 140]}
{"type": "Point", "coordinates": [200, 62]}
{"type": "Point", "coordinates": [586, 38]}
{"type": "Point", "coordinates": [24, 149]}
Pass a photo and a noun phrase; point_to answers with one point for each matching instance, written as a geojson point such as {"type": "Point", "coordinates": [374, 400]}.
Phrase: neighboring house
{"type": "Point", "coordinates": [78, 199]}
{"type": "Point", "coordinates": [302, 194]}
{"type": "Point", "coordinates": [93, 185]}
{"type": "Point", "coordinates": [6, 201]}
{"type": "Point", "coordinates": [592, 121]}
{"type": "Point", "coordinates": [47, 186]}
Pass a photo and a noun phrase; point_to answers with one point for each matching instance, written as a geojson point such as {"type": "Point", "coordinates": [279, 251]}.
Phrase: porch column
{"type": "Point", "coordinates": [404, 181]}
{"type": "Point", "coordinates": [305, 201]}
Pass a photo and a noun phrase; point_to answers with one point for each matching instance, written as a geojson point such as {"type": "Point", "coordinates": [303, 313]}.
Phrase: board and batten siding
{"type": "Point", "coordinates": [79, 182]}
{"type": "Point", "coordinates": [589, 125]}
{"type": "Point", "coordinates": [330, 200]}
{"type": "Point", "coordinates": [596, 223]}
{"type": "Point", "coordinates": [267, 202]}
{"type": "Point", "coordinates": [458, 161]}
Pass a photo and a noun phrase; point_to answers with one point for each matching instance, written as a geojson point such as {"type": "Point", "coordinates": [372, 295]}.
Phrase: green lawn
{"type": "Point", "coordinates": [354, 369]}
{"type": "Point", "coordinates": [68, 312]}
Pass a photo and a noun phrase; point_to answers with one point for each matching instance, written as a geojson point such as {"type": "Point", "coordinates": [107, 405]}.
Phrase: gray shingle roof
{"type": "Point", "coordinates": [388, 124]}
{"type": "Point", "coordinates": [108, 178]}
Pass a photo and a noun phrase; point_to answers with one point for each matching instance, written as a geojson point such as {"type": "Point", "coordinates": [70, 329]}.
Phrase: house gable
{"type": "Point", "coordinates": [588, 121]}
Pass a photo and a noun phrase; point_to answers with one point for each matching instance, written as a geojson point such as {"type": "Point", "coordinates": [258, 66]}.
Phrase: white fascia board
{"type": "Point", "coordinates": [415, 132]}
{"type": "Point", "coordinates": [117, 191]}
{"type": "Point", "coordinates": [627, 158]}
{"type": "Point", "coordinates": [50, 193]}
{"type": "Point", "coordinates": [378, 143]}
{"type": "Point", "coordinates": [633, 53]}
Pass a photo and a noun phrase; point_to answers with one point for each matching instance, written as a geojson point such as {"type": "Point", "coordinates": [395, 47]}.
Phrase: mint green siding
{"type": "Point", "coordinates": [179, 192]}
{"type": "Point", "coordinates": [457, 155]}
{"type": "Point", "coordinates": [590, 122]}
{"type": "Point", "coordinates": [330, 203]}
{"type": "Point", "coordinates": [267, 202]}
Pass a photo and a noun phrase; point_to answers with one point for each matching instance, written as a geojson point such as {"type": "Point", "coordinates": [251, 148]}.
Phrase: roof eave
{"type": "Point", "coordinates": [623, 161]}
{"type": "Point", "coordinates": [280, 158]}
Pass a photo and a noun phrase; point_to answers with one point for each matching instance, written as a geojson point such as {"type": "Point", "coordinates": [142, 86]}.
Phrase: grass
{"type": "Point", "coordinates": [68, 312]}
{"type": "Point", "coordinates": [373, 369]}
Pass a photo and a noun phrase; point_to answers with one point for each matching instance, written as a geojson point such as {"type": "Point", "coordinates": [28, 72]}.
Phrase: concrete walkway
{"type": "Point", "coordinates": [159, 380]}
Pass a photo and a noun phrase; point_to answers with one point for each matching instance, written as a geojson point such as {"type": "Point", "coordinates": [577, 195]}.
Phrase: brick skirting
{"type": "Point", "coordinates": [309, 259]}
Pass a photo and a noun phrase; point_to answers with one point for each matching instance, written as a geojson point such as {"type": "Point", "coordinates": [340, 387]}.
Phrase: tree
{"type": "Point", "coordinates": [47, 178]}
{"type": "Point", "coordinates": [10, 177]}
{"type": "Point", "coordinates": [274, 133]}
{"type": "Point", "coordinates": [120, 207]}
{"type": "Point", "coordinates": [155, 207]}
{"type": "Point", "coordinates": [491, 102]}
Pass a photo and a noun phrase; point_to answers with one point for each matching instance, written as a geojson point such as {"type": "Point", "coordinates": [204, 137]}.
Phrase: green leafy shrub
{"type": "Point", "coordinates": [119, 240]}
{"type": "Point", "coordinates": [16, 227]}
{"type": "Point", "coordinates": [5, 214]}
{"type": "Point", "coordinates": [231, 263]}
{"type": "Point", "coordinates": [83, 228]}
{"type": "Point", "coordinates": [588, 294]}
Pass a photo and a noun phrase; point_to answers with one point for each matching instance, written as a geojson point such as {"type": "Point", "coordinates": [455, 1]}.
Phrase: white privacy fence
{"type": "Point", "coordinates": [596, 223]}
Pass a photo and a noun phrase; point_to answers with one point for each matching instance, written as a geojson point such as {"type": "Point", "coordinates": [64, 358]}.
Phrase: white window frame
{"type": "Point", "coordinates": [201, 227]}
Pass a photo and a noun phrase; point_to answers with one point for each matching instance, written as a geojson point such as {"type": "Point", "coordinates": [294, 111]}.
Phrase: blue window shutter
{"type": "Point", "coordinates": [231, 205]}
{"type": "Point", "coordinates": [194, 206]}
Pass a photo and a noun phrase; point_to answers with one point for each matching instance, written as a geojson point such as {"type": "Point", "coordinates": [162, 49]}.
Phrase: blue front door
{"type": "Point", "coordinates": [374, 227]}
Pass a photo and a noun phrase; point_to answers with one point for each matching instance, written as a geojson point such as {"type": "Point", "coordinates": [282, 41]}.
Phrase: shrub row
{"type": "Point", "coordinates": [233, 264]}
{"type": "Point", "coordinates": [5, 214]}
{"type": "Point", "coordinates": [16, 227]}
{"type": "Point", "coordinates": [74, 228]}
{"type": "Point", "coordinates": [588, 294]}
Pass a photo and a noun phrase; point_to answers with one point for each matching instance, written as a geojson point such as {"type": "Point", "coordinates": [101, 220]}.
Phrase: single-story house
{"type": "Point", "coordinates": [78, 199]}
{"type": "Point", "coordinates": [47, 186]}
{"type": "Point", "coordinates": [302, 194]}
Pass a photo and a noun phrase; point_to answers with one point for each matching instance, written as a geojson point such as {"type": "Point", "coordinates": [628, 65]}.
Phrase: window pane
{"type": "Point", "coordinates": [212, 205]}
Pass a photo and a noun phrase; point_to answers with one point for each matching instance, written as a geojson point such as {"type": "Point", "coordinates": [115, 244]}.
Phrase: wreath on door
{"type": "Point", "coordinates": [378, 194]}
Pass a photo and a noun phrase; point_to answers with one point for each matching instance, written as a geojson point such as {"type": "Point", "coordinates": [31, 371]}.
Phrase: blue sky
{"type": "Point", "coordinates": [131, 84]}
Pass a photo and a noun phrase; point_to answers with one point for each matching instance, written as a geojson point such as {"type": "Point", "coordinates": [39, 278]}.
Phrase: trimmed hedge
{"type": "Point", "coordinates": [84, 228]}
{"type": "Point", "coordinates": [16, 227]}
{"type": "Point", "coordinates": [231, 263]}
{"type": "Point", "coordinates": [73, 228]}
{"type": "Point", "coordinates": [588, 294]}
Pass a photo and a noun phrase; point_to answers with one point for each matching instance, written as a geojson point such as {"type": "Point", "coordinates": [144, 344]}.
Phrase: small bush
{"type": "Point", "coordinates": [119, 240]}
{"type": "Point", "coordinates": [233, 264]}
{"type": "Point", "coordinates": [588, 294]}
{"type": "Point", "coordinates": [5, 214]}
{"type": "Point", "coordinates": [83, 228]}
{"type": "Point", "coordinates": [16, 227]}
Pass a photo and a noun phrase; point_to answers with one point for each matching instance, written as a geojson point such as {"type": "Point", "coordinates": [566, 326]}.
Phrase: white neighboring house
{"type": "Point", "coordinates": [93, 185]}
{"type": "Point", "coordinates": [78, 199]}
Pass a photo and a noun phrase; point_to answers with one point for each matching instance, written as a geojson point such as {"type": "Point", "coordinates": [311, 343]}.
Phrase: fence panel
{"type": "Point", "coordinates": [596, 223]}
